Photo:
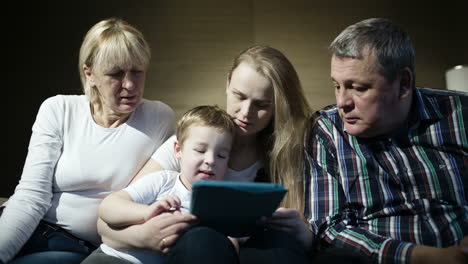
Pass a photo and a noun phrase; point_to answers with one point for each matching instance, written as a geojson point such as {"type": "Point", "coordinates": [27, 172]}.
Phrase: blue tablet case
{"type": "Point", "coordinates": [233, 208]}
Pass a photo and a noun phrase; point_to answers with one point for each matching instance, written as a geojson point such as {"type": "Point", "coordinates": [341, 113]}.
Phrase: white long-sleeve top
{"type": "Point", "coordinates": [73, 163]}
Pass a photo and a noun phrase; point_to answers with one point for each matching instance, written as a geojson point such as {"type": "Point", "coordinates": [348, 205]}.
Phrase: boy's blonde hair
{"type": "Point", "coordinates": [111, 42]}
{"type": "Point", "coordinates": [205, 115]}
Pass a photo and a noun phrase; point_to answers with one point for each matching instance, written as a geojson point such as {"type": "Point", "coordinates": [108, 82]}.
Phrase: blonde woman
{"type": "Point", "coordinates": [84, 147]}
{"type": "Point", "coordinates": [265, 98]}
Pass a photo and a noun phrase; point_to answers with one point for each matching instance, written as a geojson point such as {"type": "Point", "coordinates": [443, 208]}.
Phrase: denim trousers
{"type": "Point", "coordinates": [205, 245]}
{"type": "Point", "coordinates": [51, 244]}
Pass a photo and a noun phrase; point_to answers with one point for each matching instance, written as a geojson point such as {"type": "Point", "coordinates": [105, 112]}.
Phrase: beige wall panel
{"type": "Point", "coordinates": [193, 44]}
{"type": "Point", "coordinates": [303, 29]}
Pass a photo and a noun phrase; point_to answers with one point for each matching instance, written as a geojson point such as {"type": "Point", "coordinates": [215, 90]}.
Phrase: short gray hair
{"type": "Point", "coordinates": [387, 41]}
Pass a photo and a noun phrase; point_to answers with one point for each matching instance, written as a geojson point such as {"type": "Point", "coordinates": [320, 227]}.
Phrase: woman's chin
{"type": "Point", "coordinates": [244, 132]}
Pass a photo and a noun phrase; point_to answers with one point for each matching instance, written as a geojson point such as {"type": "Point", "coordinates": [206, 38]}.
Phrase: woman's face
{"type": "Point", "coordinates": [250, 100]}
{"type": "Point", "coordinates": [121, 88]}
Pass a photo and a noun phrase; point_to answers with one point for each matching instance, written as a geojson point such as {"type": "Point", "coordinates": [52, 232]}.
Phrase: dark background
{"type": "Point", "coordinates": [42, 40]}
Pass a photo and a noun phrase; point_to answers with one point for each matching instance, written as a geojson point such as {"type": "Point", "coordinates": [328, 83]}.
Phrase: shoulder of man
{"type": "Point", "coordinates": [437, 103]}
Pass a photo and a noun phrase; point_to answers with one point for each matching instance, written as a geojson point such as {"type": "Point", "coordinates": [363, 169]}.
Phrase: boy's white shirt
{"type": "Point", "coordinates": [147, 190]}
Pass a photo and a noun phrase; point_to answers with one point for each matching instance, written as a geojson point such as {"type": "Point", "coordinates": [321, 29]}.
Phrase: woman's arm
{"type": "Point", "coordinates": [149, 235]}
{"type": "Point", "coordinates": [33, 195]}
{"type": "Point", "coordinates": [290, 221]}
{"type": "Point", "coordinates": [162, 159]}
{"type": "Point", "coordinates": [150, 166]}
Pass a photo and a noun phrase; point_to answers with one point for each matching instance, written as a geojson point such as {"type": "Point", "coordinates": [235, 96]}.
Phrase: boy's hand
{"type": "Point", "coordinates": [167, 203]}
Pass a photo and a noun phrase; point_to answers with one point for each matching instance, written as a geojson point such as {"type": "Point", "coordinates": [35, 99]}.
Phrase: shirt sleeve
{"type": "Point", "coordinates": [165, 155]}
{"type": "Point", "coordinates": [147, 189]}
{"type": "Point", "coordinates": [326, 206]}
{"type": "Point", "coordinates": [33, 194]}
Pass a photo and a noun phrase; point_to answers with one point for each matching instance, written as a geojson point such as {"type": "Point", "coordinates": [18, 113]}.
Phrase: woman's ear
{"type": "Point", "coordinates": [406, 83]}
{"type": "Point", "coordinates": [177, 149]}
{"type": "Point", "coordinates": [89, 74]}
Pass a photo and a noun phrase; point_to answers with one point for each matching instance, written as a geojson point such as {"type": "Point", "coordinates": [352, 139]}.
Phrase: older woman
{"type": "Point", "coordinates": [84, 147]}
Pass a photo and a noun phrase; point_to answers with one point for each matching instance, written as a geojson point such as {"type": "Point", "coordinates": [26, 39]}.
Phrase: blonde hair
{"type": "Point", "coordinates": [205, 115]}
{"type": "Point", "coordinates": [282, 141]}
{"type": "Point", "coordinates": [109, 43]}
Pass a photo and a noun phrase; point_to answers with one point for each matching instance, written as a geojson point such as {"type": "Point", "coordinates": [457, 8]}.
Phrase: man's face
{"type": "Point", "coordinates": [368, 104]}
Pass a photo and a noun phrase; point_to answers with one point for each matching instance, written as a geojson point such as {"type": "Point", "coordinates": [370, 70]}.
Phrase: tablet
{"type": "Point", "coordinates": [233, 208]}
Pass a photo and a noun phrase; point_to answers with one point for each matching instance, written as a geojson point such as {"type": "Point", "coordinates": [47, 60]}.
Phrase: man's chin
{"type": "Point", "coordinates": [355, 130]}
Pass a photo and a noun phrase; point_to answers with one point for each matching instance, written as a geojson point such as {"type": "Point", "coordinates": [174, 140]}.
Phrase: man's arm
{"type": "Point", "coordinates": [326, 205]}
{"type": "Point", "coordinates": [336, 225]}
{"type": "Point", "coordinates": [453, 254]}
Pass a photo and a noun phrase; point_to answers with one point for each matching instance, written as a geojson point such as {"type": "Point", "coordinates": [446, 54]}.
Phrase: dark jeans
{"type": "Point", "coordinates": [51, 244]}
{"type": "Point", "coordinates": [340, 256]}
{"type": "Point", "coordinates": [205, 245]}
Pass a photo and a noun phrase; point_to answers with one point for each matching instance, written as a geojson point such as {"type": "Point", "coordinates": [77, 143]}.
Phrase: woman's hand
{"type": "Point", "coordinates": [162, 231]}
{"type": "Point", "coordinates": [290, 221]}
{"type": "Point", "coordinates": [167, 203]}
{"type": "Point", "coordinates": [158, 233]}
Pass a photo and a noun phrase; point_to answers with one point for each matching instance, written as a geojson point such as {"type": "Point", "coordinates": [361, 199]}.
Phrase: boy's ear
{"type": "Point", "coordinates": [406, 83]}
{"type": "Point", "coordinates": [177, 149]}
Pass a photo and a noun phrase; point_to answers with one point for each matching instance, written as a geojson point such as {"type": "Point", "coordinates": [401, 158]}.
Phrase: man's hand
{"type": "Point", "coordinates": [453, 254]}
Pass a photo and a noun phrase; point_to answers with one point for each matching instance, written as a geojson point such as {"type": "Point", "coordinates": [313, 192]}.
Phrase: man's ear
{"type": "Point", "coordinates": [406, 83]}
{"type": "Point", "coordinates": [177, 149]}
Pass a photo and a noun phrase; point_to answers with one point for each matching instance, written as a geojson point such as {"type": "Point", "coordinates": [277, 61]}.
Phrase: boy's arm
{"type": "Point", "coordinates": [118, 209]}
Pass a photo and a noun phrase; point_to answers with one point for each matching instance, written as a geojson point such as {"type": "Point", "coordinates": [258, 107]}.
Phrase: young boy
{"type": "Point", "coordinates": [205, 135]}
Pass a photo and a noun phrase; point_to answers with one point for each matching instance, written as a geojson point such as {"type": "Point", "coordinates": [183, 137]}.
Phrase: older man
{"type": "Point", "coordinates": [387, 166]}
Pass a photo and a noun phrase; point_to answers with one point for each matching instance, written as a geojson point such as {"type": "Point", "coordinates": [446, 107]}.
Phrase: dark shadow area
{"type": "Point", "coordinates": [42, 45]}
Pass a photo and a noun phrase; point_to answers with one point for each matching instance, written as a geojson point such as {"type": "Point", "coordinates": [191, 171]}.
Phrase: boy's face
{"type": "Point", "coordinates": [204, 154]}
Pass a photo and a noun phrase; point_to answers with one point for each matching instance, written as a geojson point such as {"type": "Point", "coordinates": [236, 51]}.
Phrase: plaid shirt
{"type": "Point", "coordinates": [382, 196]}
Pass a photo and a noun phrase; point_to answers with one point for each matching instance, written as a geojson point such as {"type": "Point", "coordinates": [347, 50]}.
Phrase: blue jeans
{"type": "Point", "coordinates": [50, 244]}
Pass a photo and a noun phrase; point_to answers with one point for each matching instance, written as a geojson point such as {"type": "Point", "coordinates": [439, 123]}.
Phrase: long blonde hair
{"type": "Point", "coordinates": [282, 141]}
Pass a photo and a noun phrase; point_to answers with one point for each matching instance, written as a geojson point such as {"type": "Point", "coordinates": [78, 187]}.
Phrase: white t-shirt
{"type": "Point", "coordinates": [147, 190]}
{"type": "Point", "coordinates": [165, 156]}
{"type": "Point", "coordinates": [73, 163]}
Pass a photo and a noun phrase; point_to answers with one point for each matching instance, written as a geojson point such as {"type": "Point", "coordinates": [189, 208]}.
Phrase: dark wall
{"type": "Point", "coordinates": [42, 45]}
{"type": "Point", "coordinates": [193, 43]}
